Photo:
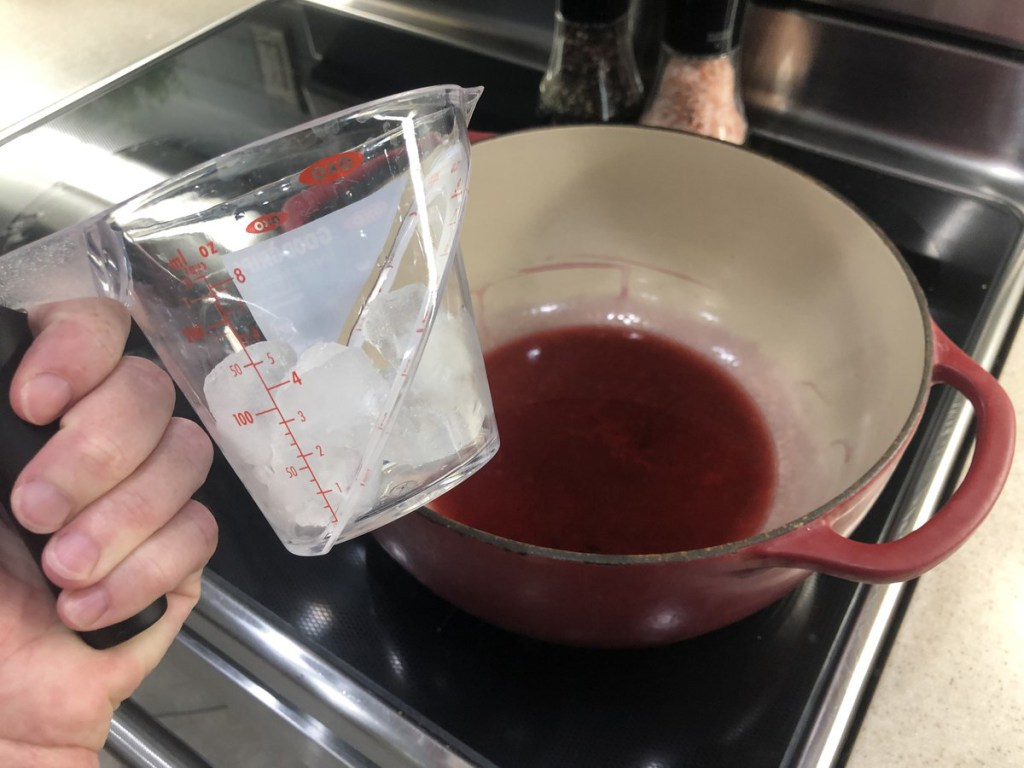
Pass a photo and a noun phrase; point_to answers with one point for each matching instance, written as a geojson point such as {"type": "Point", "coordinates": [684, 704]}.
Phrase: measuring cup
{"type": "Point", "coordinates": [306, 294]}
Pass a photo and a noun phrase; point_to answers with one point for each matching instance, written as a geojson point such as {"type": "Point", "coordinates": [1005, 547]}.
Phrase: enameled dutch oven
{"type": "Point", "coordinates": [766, 271]}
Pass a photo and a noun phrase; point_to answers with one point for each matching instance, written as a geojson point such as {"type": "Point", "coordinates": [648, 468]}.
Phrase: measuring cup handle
{"type": "Point", "coordinates": [22, 441]}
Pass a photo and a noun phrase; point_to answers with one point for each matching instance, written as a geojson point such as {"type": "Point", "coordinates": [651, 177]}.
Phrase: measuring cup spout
{"type": "Point", "coordinates": [468, 99]}
{"type": "Point", "coordinates": [83, 261]}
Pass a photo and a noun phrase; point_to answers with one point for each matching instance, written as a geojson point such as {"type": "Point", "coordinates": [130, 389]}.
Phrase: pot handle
{"type": "Point", "coordinates": [819, 548]}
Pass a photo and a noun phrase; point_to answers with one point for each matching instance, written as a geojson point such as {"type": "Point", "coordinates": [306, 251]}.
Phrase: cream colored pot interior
{"type": "Point", "coordinates": [760, 268]}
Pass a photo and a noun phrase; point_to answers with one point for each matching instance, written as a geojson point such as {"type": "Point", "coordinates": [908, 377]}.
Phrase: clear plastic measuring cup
{"type": "Point", "coordinates": [306, 294]}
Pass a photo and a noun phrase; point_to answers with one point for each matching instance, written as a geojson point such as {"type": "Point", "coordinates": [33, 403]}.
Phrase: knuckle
{"type": "Point", "coordinates": [173, 559]}
{"type": "Point", "coordinates": [149, 379]}
{"type": "Point", "coordinates": [98, 325]}
{"type": "Point", "coordinates": [100, 455]}
{"type": "Point", "coordinates": [134, 509]}
{"type": "Point", "coordinates": [193, 443]}
{"type": "Point", "coordinates": [203, 527]}
{"type": "Point", "coordinates": [160, 573]}
{"type": "Point", "coordinates": [191, 588]}
{"type": "Point", "coordinates": [102, 451]}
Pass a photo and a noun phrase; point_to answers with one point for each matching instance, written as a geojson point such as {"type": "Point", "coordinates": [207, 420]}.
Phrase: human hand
{"type": "Point", "coordinates": [114, 487]}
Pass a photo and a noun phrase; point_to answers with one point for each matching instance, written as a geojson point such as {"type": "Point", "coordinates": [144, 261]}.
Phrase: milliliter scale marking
{"type": "Point", "coordinates": [301, 456]}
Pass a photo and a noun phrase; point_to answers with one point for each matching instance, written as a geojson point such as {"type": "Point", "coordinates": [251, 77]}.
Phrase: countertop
{"type": "Point", "coordinates": [952, 691]}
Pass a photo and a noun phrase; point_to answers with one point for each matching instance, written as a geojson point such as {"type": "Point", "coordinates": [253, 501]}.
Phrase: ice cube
{"type": "Point", "coordinates": [419, 436]}
{"type": "Point", "coordinates": [238, 395]}
{"type": "Point", "coordinates": [297, 431]}
{"type": "Point", "coordinates": [426, 431]}
{"type": "Point", "coordinates": [391, 319]}
{"type": "Point", "coordinates": [290, 509]}
{"type": "Point", "coordinates": [315, 487]}
{"type": "Point", "coordinates": [449, 358]}
{"type": "Point", "coordinates": [442, 413]}
{"type": "Point", "coordinates": [332, 405]}
{"type": "Point", "coordinates": [336, 393]}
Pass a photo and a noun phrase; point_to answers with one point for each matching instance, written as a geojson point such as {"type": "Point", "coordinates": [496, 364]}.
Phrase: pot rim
{"type": "Point", "coordinates": [902, 437]}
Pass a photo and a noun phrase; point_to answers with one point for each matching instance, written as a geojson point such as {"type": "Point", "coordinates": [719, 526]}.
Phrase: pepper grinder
{"type": "Point", "coordinates": [698, 86]}
{"type": "Point", "coordinates": [592, 75]}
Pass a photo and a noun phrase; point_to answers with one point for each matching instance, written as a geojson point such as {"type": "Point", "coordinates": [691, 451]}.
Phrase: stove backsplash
{"type": "Point", "coordinates": [948, 109]}
{"type": "Point", "coordinates": [903, 100]}
{"type": "Point", "coordinates": [877, 78]}
{"type": "Point", "coordinates": [998, 21]}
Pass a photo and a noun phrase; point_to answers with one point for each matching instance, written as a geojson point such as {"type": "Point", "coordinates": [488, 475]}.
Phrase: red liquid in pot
{"type": "Point", "coordinates": [616, 441]}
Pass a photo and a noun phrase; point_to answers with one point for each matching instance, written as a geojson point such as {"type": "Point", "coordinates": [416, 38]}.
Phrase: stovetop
{"type": "Point", "coordinates": [752, 694]}
{"type": "Point", "coordinates": [744, 695]}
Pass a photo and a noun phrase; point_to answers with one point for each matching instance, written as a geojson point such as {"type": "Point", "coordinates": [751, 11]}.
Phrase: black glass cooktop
{"type": "Point", "coordinates": [742, 696]}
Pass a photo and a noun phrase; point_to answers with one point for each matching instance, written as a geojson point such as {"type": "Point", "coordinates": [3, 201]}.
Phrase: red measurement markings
{"type": "Point", "coordinates": [302, 456]}
{"type": "Point", "coordinates": [190, 271]}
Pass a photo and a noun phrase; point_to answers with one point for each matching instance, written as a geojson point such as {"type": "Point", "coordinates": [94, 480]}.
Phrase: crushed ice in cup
{"type": "Point", "coordinates": [441, 413]}
{"type": "Point", "coordinates": [233, 387]}
{"type": "Point", "coordinates": [391, 317]}
{"type": "Point", "coordinates": [293, 427]}
{"type": "Point", "coordinates": [340, 397]}
{"type": "Point", "coordinates": [297, 428]}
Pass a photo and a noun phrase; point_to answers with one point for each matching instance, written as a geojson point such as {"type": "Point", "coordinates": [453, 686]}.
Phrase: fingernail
{"type": "Point", "coordinates": [84, 609]}
{"type": "Point", "coordinates": [72, 555]}
{"type": "Point", "coordinates": [40, 506]}
{"type": "Point", "coordinates": [45, 397]}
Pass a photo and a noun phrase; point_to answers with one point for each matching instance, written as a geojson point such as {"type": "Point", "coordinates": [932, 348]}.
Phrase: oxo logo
{"type": "Point", "coordinates": [266, 223]}
{"type": "Point", "coordinates": [331, 168]}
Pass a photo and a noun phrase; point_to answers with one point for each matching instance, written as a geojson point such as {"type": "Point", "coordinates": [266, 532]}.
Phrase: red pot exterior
{"type": "Point", "coordinates": [625, 603]}
{"type": "Point", "coordinates": [579, 603]}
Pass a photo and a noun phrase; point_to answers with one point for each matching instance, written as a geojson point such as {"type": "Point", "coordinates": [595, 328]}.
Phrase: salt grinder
{"type": "Point", "coordinates": [592, 74]}
{"type": "Point", "coordinates": [698, 85]}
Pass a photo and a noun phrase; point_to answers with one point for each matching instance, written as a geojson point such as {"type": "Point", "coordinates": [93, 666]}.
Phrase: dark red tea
{"type": "Point", "coordinates": [615, 441]}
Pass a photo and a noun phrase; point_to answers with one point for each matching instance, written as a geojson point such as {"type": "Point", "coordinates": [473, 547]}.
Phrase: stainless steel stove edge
{"type": "Point", "coordinates": [306, 705]}
{"type": "Point", "coordinates": [917, 105]}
